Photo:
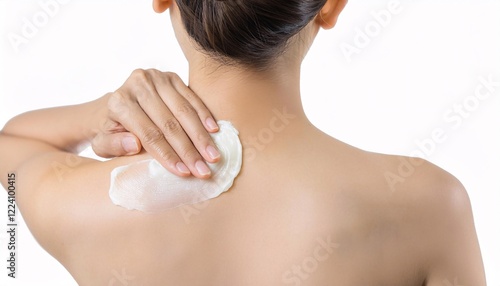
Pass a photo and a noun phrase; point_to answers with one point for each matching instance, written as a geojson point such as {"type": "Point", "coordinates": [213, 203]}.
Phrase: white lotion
{"type": "Point", "coordinates": [149, 187]}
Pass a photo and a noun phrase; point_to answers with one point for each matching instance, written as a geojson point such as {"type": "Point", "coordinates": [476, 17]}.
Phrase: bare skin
{"type": "Point", "coordinates": [306, 208]}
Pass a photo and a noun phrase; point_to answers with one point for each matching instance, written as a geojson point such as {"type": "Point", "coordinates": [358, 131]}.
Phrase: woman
{"type": "Point", "coordinates": [306, 208]}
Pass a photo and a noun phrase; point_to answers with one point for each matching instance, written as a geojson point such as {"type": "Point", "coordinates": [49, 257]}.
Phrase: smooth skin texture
{"type": "Point", "coordinates": [306, 209]}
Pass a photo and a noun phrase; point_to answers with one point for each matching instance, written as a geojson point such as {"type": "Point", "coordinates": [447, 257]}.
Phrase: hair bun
{"type": "Point", "coordinates": [246, 32]}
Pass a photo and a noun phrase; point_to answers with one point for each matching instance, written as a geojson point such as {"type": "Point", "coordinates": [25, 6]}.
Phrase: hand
{"type": "Point", "coordinates": [157, 111]}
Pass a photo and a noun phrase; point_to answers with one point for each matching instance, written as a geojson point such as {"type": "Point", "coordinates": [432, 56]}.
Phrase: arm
{"type": "Point", "coordinates": [59, 194]}
{"type": "Point", "coordinates": [67, 128]}
{"type": "Point", "coordinates": [457, 255]}
{"type": "Point", "coordinates": [41, 132]}
{"type": "Point", "coordinates": [152, 110]}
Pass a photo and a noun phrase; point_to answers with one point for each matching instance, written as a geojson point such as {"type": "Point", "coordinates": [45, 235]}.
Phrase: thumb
{"type": "Point", "coordinates": [116, 144]}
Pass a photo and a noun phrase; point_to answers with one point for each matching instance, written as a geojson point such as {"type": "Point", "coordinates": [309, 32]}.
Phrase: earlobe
{"type": "Point", "coordinates": [161, 6]}
{"type": "Point", "coordinates": [327, 17]}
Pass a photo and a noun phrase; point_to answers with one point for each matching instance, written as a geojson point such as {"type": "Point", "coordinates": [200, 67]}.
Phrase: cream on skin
{"type": "Point", "coordinates": [147, 186]}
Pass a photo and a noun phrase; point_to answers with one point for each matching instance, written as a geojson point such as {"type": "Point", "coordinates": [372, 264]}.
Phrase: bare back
{"type": "Point", "coordinates": [325, 216]}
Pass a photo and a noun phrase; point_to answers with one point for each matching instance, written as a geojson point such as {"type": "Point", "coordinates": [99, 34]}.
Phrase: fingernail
{"type": "Point", "coordinates": [181, 167]}
{"type": "Point", "coordinates": [212, 152]}
{"type": "Point", "coordinates": [202, 168]}
{"type": "Point", "coordinates": [211, 124]}
{"type": "Point", "coordinates": [130, 145]}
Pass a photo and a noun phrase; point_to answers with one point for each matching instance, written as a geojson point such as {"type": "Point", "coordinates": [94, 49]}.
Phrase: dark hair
{"type": "Point", "coordinates": [251, 33]}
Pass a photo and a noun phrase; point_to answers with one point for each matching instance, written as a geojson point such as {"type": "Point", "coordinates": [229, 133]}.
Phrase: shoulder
{"type": "Point", "coordinates": [411, 192]}
{"type": "Point", "coordinates": [398, 179]}
{"type": "Point", "coordinates": [432, 207]}
{"type": "Point", "coordinates": [398, 175]}
{"type": "Point", "coordinates": [425, 183]}
{"type": "Point", "coordinates": [389, 180]}
{"type": "Point", "coordinates": [396, 186]}
{"type": "Point", "coordinates": [70, 195]}
{"type": "Point", "coordinates": [420, 184]}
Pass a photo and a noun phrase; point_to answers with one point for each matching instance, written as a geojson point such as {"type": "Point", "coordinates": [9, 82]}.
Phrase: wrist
{"type": "Point", "coordinates": [97, 116]}
{"type": "Point", "coordinates": [88, 119]}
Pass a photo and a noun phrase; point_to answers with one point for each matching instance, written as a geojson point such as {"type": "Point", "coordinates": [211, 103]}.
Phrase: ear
{"type": "Point", "coordinates": [327, 17]}
{"type": "Point", "coordinates": [161, 6]}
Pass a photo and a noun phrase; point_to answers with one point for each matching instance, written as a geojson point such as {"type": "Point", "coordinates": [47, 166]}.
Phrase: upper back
{"type": "Point", "coordinates": [323, 217]}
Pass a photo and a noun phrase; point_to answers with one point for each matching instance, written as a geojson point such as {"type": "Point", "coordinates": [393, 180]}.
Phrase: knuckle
{"type": "Point", "coordinates": [141, 95]}
{"type": "Point", "coordinates": [185, 109]}
{"type": "Point", "coordinates": [116, 102]}
{"type": "Point", "coordinates": [203, 137]}
{"type": "Point", "coordinates": [115, 98]}
{"type": "Point", "coordinates": [190, 96]}
{"type": "Point", "coordinates": [171, 127]}
{"type": "Point", "coordinates": [152, 136]}
{"type": "Point", "coordinates": [139, 76]}
{"type": "Point", "coordinates": [153, 73]}
{"type": "Point", "coordinates": [138, 73]}
{"type": "Point", "coordinates": [173, 79]}
{"type": "Point", "coordinates": [170, 75]}
{"type": "Point", "coordinates": [166, 155]}
{"type": "Point", "coordinates": [189, 154]}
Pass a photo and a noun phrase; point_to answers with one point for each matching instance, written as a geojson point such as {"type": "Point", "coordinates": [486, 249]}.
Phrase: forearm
{"type": "Point", "coordinates": [67, 128]}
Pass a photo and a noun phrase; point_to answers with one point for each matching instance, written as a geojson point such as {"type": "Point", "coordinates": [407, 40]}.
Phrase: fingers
{"type": "Point", "coordinates": [202, 111]}
{"type": "Point", "coordinates": [188, 110]}
{"type": "Point", "coordinates": [169, 120]}
{"type": "Point", "coordinates": [116, 144]}
{"type": "Point", "coordinates": [169, 128]}
{"type": "Point", "coordinates": [137, 122]}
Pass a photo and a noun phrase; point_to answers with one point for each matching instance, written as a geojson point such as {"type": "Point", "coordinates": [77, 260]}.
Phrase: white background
{"type": "Point", "coordinates": [390, 95]}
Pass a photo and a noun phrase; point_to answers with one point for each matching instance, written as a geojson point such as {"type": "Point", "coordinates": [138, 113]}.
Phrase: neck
{"type": "Point", "coordinates": [251, 101]}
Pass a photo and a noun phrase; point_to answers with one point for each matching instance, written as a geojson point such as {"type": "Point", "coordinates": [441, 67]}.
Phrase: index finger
{"type": "Point", "coordinates": [194, 100]}
{"type": "Point", "coordinates": [189, 111]}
